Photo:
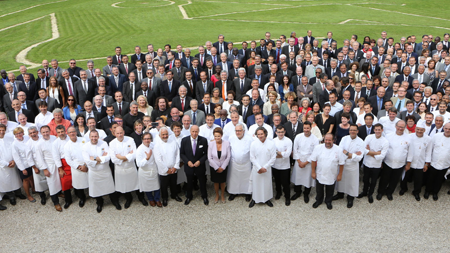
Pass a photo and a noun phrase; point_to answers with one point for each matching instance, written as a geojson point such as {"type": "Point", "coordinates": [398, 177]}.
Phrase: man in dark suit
{"type": "Point", "coordinates": [255, 98]}
{"type": "Point", "coordinates": [182, 102]}
{"type": "Point", "coordinates": [116, 80]}
{"type": "Point", "coordinates": [43, 97]}
{"type": "Point", "coordinates": [150, 95]}
{"type": "Point", "coordinates": [241, 84]}
{"type": "Point", "coordinates": [347, 107]}
{"type": "Point", "coordinates": [195, 70]}
{"type": "Point", "coordinates": [367, 128]}
{"type": "Point", "coordinates": [125, 68]}
{"type": "Point", "coordinates": [405, 76]}
{"type": "Point", "coordinates": [409, 111]}
{"type": "Point", "coordinates": [67, 83]}
{"type": "Point", "coordinates": [117, 59]}
{"type": "Point", "coordinates": [284, 71]}
{"type": "Point", "coordinates": [290, 48]}
{"type": "Point", "coordinates": [251, 119]}
{"type": "Point", "coordinates": [120, 107]}
{"type": "Point", "coordinates": [88, 111]}
{"type": "Point", "coordinates": [262, 79]}
{"type": "Point", "coordinates": [202, 56]}
{"type": "Point", "coordinates": [438, 83]}
{"type": "Point", "coordinates": [368, 91]}
{"type": "Point", "coordinates": [84, 89]}
{"type": "Point", "coordinates": [309, 39]}
{"type": "Point", "coordinates": [276, 110]}
{"type": "Point", "coordinates": [17, 109]}
{"type": "Point", "coordinates": [169, 87]}
{"type": "Point", "coordinates": [186, 61]}
{"type": "Point", "coordinates": [258, 63]}
{"type": "Point", "coordinates": [23, 71]}
{"type": "Point", "coordinates": [377, 101]}
{"type": "Point", "coordinates": [245, 109]}
{"type": "Point", "coordinates": [268, 52]}
{"type": "Point", "coordinates": [9, 96]}
{"type": "Point", "coordinates": [189, 84]}
{"type": "Point", "coordinates": [29, 87]}
{"type": "Point", "coordinates": [42, 80]}
{"type": "Point", "coordinates": [179, 71]}
{"type": "Point", "coordinates": [207, 107]}
{"type": "Point", "coordinates": [221, 45]}
{"type": "Point", "coordinates": [137, 55]}
{"type": "Point", "coordinates": [130, 88]}
{"type": "Point", "coordinates": [153, 83]}
{"type": "Point", "coordinates": [203, 86]}
{"type": "Point", "coordinates": [293, 127]}
{"type": "Point", "coordinates": [194, 153]}
{"type": "Point", "coordinates": [224, 82]}
{"type": "Point", "coordinates": [325, 94]}
{"type": "Point", "coordinates": [236, 56]}
{"type": "Point", "coordinates": [105, 122]}
{"type": "Point", "coordinates": [99, 108]}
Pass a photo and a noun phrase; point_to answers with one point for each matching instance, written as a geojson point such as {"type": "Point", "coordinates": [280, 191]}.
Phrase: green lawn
{"type": "Point", "coordinates": [93, 28]}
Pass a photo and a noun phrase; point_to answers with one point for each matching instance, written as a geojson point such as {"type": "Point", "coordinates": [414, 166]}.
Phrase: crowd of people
{"type": "Point", "coordinates": [294, 111]}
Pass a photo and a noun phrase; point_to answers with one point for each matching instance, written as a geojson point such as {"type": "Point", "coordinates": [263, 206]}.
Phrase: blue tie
{"type": "Point", "coordinates": [193, 119]}
{"type": "Point", "coordinates": [170, 86]}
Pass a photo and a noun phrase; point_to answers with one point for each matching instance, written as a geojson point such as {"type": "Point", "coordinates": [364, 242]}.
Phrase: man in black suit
{"type": "Point", "coordinates": [284, 71]}
{"type": "Point", "coordinates": [189, 84]}
{"type": "Point", "coordinates": [258, 63]}
{"type": "Point", "coordinates": [150, 95]}
{"type": "Point", "coordinates": [99, 108]}
{"type": "Point", "coordinates": [241, 84]}
{"type": "Point", "coordinates": [42, 80]}
{"type": "Point", "coordinates": [9, 96]}
{"type": "Point", "coordinates": [120, 107]}
{"type": "Point", "coordinates": [137, 55]}
{"type": "Point", "coordinates": [27, 104]}
{"type": "Point", "coordinates": [290, 48]}
{"type": "Point", "coordinates": [169, 87]}
{"type": "Point", "coordinates": [195, 70]}
{"type": "Point", "coordinates": [29, 87]}
{"type": "Point", "coordinates": [367, 128]}
{"type": "Point", "coordinates": [221, 45]}
{"type": "Point", "coordinates": [84, 89]}
{"type": "Point", "coordinates": [105, 122]}
{"type": "Point", "coordinates": [117, 59]}
{"type": "Point", "coordinates": [74, 71]}
{"type": "Point", "coordinates": [293, 127]}
{"type": "Point", "coordinates": [207, 107]}
{"type": "Point", "coordinates": [309, 39]}
{"type": "Point", "coordinates": [203, 86]}
{"type": "Point", "coordinates": [324, 96]}
{"type": "Point", "coordinates": [377, 101]}
{"type": "Point", "coordinates": [179, 71]}
{"type": "Point", "coordinates": [186, 61]}
{"type": "Point", "coordinates": [23, 71]}
{"type": "Point", "coordinates": [255, 98]}
{"type": "Point", "coordinates": [18, 109]}
{"type": "Point", "coordinates": [405, 76]}
{"type": "Point", "coordinates": [224, 82]}
{"type": "Point", "coordinates": [347, 107]}
{"type": "Point", "coordinates": [369, 91]}
{"type": "Point", "coordinates": [182, 102]}
{"type": "Point", "coordinates": [438, 83]}
{"type": "Point", "coordinates": [202, 56]}
{"type": "Point", "coordinates": [116, 80]}
{"type": "Point", "coordinates": [262, 79]}
{"type": "Point", "coordinates": [68, 84]}
{"type": "Point", "coordinates": [194, 153]}
{"type": "Point", "coordinates": [125, 68]}
{"type": "Point", "coordinates": [130, 88]}
{"type": "Point", "coordinates": [268, 51]}
{"type": "Point", "coordinates": [88, 111]}
{"type": "Point", "coordinates": [245, 109]}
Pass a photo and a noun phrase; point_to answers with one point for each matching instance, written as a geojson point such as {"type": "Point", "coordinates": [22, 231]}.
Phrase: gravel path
{"type": "Point", "coordinates": [385, 226]}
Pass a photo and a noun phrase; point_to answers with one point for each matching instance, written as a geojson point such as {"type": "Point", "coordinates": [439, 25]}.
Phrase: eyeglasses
{"type": "Point", "coordinates": [432, 99]}
{"type": "Point", "coordinates": [318, 72]}
{"type": "Point", "coordinates": [72, 63]}
{"type": "Point", "coordinates": [70, 100]}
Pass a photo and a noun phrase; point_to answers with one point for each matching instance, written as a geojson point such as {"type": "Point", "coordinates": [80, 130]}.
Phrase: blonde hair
{"type": "Point", "coordinates": [17, 130]}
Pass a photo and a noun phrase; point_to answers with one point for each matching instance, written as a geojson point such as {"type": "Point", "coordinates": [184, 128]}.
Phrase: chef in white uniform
{"type": "Point", "coordinates": [259, 119]}
{"type": "Point", "coordinates": [148, 172]}
{"type": "Point", "coordinates": [44, 117]}
{"type": "Point", "coordinates": [262, 155]}
{"type": "Point", "coordinates": [45, 162]}
{"type": "Point", "coordinates": [91, 123]}
{"type": "Point", "coordinates": [40, 180]}
{"type": "Point", "coordinates": [95, 155]}
{"type": "Point", "coordinates": [240, 167]}
{"type": "Point", "coordinates": [353, 148]}
{"type": "Point", "coordinates": [327, 165]}
{"type": "Point", "coordinates": [122, 151]}
{"type": "Point", "coordinates": [229, 129]}
{"type": "Point", "coordinates": [282, 167]}
{"type": "Point", "coordinates": [304, 145]}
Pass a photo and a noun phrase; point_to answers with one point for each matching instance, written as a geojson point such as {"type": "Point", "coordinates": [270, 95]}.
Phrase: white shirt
{"type": "Point", "coordinates": [58, 150]}
{"type": "Point", "coordinates": [441, 150]}
{"type": "Point", "coordinates": [353, 146]}
{"type": "Point", "coordinates": [421, 149]}
{"type": "Point", "coordinates": [446, 116]}
{"type": "Point", "coordinates": [285, 147]}
{"type": "Point", "coordinates": [253, 128]}
{"type": "Point", "coordinates": [207, 132]}
{"type": "Point", "coordinates": [22, 154]}
{"type": "Point", "coordinates": [328, 161]}
{"type": "Point", "coordinates": [167, 155]}
{"type": "Point", "coordinates": [101, 134]}
{"type": "Point", "coordinates": [229, 130]}
{"type": "Point", "coordinates": [335, 108]}
{"type": "Point", "coordinates": [42, 120]}
{"type": "Point", "coordinates": [304, 146]}
{"type": "Point", "coordinates": [400, 150]}
{"type": "Point", "coordinates": [388, 125]}
{"type": "Point", "coordinates": [376, 144]}
{"type": "Point", "coordinates": [361, 121]}
{"type": "Point", "coordinates": [10, 126]}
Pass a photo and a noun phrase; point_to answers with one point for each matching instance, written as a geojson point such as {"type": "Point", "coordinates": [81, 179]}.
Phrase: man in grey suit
{"type": "Point", "coordinates": [409, 111]}
{"type": "Point", "coordinates": [318, 87]}
{"type": "Point", "coordinates": [120, 107]}
{"type": "Point", "coordinates": [43, 97]}
{"type": "Point", "coordinates": [421, 76]}
{"type": "Point", "coordinates": [235, 56]}
{"type": "Point", "coordinates": [387, 105]}
{"type": "Point", "coordinates": [197, 116]}
{"type": "Point", "coordinates": [7, 101]}
{"type": "Point", "coordinates": [107, 99]}
{"type": "Point", "coordinates": [84, 89]}
{"type": "Point", "coordinates": [55, 71]}
{"type": "Point", "coordinates": [152, 81]}
{"type": "Point", "coordinates": [241, 84]}
{"type": "Point", "coordinates": [15, 83]}
{"type": "Point", "coordinates": [179, 71]}
{"type": "Point", "coordinates": [445, 67]}
{"type": "Point", "coordinates": [304, 89]}
{"type": "Point", "coordinates": [310, 71]}
{"type": "Point", "coordinates": [107, 70]}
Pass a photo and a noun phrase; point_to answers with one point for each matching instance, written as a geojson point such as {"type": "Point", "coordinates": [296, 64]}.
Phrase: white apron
{"type": "Point", "coordinates": [9, 177]}
{"type": "Point", "coordinates": [262, 155]}
{"type": "Point", "coordinates": [40, 180]}
{"type": "Point", "coordinates": [74, 158]}
{"type": "Point", "coordinates": [100, 177]}
{"type": "Point", "coordinates": [148, 171]}
{"type": "Point", "coordinates": [44, 153]}
{"type": "Point", "coordinates": [303, 148]}
{"type": "Point", "coordinates": [240, 167]}
{"type": "Point", "coordinates": [349, 183]}
{"type": "Point", "coordinates": [125, 173]}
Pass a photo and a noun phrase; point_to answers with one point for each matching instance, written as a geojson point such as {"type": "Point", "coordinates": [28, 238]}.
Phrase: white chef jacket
{"type": "Point", "coordinates": [167, 155]}
{"type": "Point", "coordinates": [441, 150]}
{"type": "Point", "coordinates": [285, 147]}
{"type": "Point", "coordinates": [303, 148]}
{"type": "Point", "coordinates": [126, 176]}
{"type": "Point", "coordinates": [380, 144]}
{"type": "Point", "coordinates": [328, 161]}
{"type": "Point", "coordinates": [240, 167]}
{"type": "Point", "coordinates": [388, 125]}
{"type": "Point", "coordinates": [73, 153]}
{"type": "Point", "coordinates": [262, 155]}
{"type": "Point", "coordinates": [421, 149]}
{"type": "Point", "coordinates": [148, 171]}
{"type": "Point", "coordinates": [399, 152]}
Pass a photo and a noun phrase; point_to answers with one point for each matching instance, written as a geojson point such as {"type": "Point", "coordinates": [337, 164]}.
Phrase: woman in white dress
{"type": "Point", "coordinates": [148, 172]}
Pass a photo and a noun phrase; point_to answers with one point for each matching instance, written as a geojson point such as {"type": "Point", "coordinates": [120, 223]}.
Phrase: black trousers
{"type": "Point", "coordinates": [54, 197]}
{"type": "Point", "coordinates": [435, 180]}
{"type": "Point", "coordinates": [417, 176]}
{"type": "Point", "coordinates": [112, 197]}
{"type": "Point", "coordinates": [389, 179]}
{"type": "Point", "coordinates": [329, 190]}
{"type": "Point", "coordinates": [298, 189]}
{"type": "Point", "coordinates": [282, 179]}
{"type": "Point", "coordinates": [78, 192]}
{"type": "Point", "coordinates": [198, 172]}
{"type": "Point", "coordinates": [370, 179]}
{"type": "Point", "coordinates": [168, 181]}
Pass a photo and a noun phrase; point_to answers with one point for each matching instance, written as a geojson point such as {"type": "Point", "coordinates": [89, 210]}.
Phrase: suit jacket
{"type": "Point", "coordinates": [214, 161]}
{"type": "Point", "coordinates": [324, 97]}
{"type": "Point", "coordinates": [151, 97]}
{"type": "Point", "coordinates": [7, 102]}
{"type": "Point", "coordinates": [200, 117]}
{"type": "Point", "coordinates": [105, 125]}
{"type": "Point", "coordinates": [248, 113]}
{"type": "Point", "coordinates": [251, 120]}
{"type": "Point", "coordinates": [190, 93]}
{"type": "Point", "coordinates": [402, 115]}
{"type": "Point", "coordinates": [317, 90]}
{"type": "Point", "coordinates": [176, 102]}
{"type": "Point", "coordinates": [338, 118]}
{"type": "Point", "coordinates": [225, 46]}
{"type": "Point", "coordinates": [200, 91]}
{"type": "Point", "coordinates": [291, 135]}
{"type": "Point", "coordinates": [80, 95]}
{"type": "Point", "coordinates": [279, 77]}
{"type": "Point", "coordinates": [169, 94]}
{"type": "Point", "coordinates": [50, 103]}
{"type": "Point", "coordinates": [251, 70]}
{"type": "Point", "coordinates": [196, 77]}
{"type": "Point", "coordinates": [62, 83]}
{"type": "Point", "coordinates": [115, 61]}
{"type": "Point", "coordinates": [435, 84]}
{"type": "Point", "coordinates": [373, 101]}
{"type": "Point", "coordinates": [372, 92]}
{"type": "Point", "coordinates": [32, 92]}
{"type": "Point", "coordinates": [265, 54]}
{"type": "Point", "coordinates": [123, 71]}
{"type": "Point", "coordinates": [237, 87]}
{"type": "Point", "coordinates": [125, 108]}
{"type": "Point", "coordinates": [100, 114]}
{"type": "Point", "coordinates": [401, 78]}
{"type": "Point", "coordinates": [181, 75]}
{"type": "Point", "coordinates": [28, 113]}
{"type": "Point", "coordinates": [202, 108]}
{"type": "Point", "coordinates": [39, 81]}
{"type": "Point", "coordinates": [128, 93]}
{"type": "Point", "coordinates": [143, 72]}
{"type": "Point", "coordinates": [362, 132]}
{"type": "Point", "coordinates": [285, 50]}
{"type": "Point", "coordinates": [107, 70]}
{"type": "Point", "coordinates": [219, 122]}
{"type": "Point", "coordinates": [20, 78]}
{"type": "Point", "coordinates": [58, 72]}
{"type": "Point", "coordinates": [156, 85]}
{"type": "Point", "coordinates": [230, 86]}
{"type": "Point", "coordinates": [109, 100]}
{"type": "Point", "coordinates": [117, 86]}
{"type": "Point", "coordinates": [308, 93]}
{"type": "Point", "coordinates": [187, 64]}
{"type": "Point", "coordinates": [228, 64]}
{"type": "Point", "coordinates": [201, 152]}
{"type": "Point", "coordinates": [94, 110]}
{"type": "Point", "coordinates": [134, 58]}
{"type": "Point", "coordinates": [425, 78]}
{"type": "Point", "coordinates": [328, 71]}
{"type": "Point", "coordinates": [270, 119]}
{"type": "Point", "coordinates": [240, 57]}
{"type": "Point", "coordinates": [352, 93]}
{"type": "Point", "coordinates": [205, 57]}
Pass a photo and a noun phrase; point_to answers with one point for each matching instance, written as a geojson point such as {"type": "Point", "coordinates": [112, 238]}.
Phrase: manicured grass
{"type": "Point", "coordinates": [93, 28]}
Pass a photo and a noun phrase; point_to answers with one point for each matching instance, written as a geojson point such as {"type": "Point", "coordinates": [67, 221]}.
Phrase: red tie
{"type": "Point", "coordinates": [182, 104]}
{"type": "Point", "coordinates": [224, 95]}
{"type": "Point", "coordinates": [149, 84]}
{"type": "Point", "coordinates": [171, 65]}
{"type": "Point", "coordinates": [126, 69]}
{"type": "Point", "coordinates": [70, 87]}
{"type": "Point", "coordinates": [118, 59]}
{"type": "Point", "coordinates": [55, 72]}
{"type": "Point", "coordinates": [201, 60]}
{"type": "Point", "coordinates": [46, 72]}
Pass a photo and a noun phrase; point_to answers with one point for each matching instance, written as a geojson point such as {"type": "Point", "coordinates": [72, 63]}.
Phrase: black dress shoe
{"type": "Point", "coordinates": [338, 196]}
{"type": "Point", "coordinates": [349, 203]}
{"type": "Point", "coordinates": [21, 196]}
{"type": "Point", "coordinates": [99, 209]}
{"type": "Point", "coordinates": [329, 206]}
{"type": "Point", "coordinates": [127, 204]}
{"type": "Point", "coordinates": [187, 201]}
{"type": "Point", "coordinates": [316, 204]}
{"type": "Point", "coordinates": [401, 192]}
{"type": "Point", "coordinates": [417, 197]}
{"type": "Point", "coordinates": [231, 197]}
{"type": "Point", "coordinates": [435, 197]}
{"type": "Point", "coordinates": [370, 199]}
{"type": "Point", "coordinates": [448, 192]}
{"type": "Point", "coordinates": [379, 196]}
{"type": "Point", "coordinates": [164, 202]}
{"type": "Point", "coordinates": [252, 204]}
{"type": "Point", "coordinates": [2, 207]}
{"type": "Point", "coordinates": [145, 203]}
{"type": "Point", "coordinates": [12, 201]}
{"type": "Point", "coordinates": [81, 203]}
{"type": "Point", "coordinates": [248, 198]}
{"type": "Point", "coordinates": [43, 201]}
{"type": "Point", "coordinates": [426, 195]}
{"type": "Point", "coordinates": [67, 204]}
{"type": "Point", "coordinates": [278, 196]}
{"type": "Point", "coordinates": [178, 199]}
{"type": "Point", "coordinates": [389, 196]}
{"type": "Point", "coordinates": [288, 202]}
{"type": "Point", "coordinates": [269, 203]}
{"type": "Point", "coordinates": [205, 201]}
{"type": "Point", "coordinates": [118, 206]}
{"type": "Point", "coordinates": [306, 198]}
{"type": "Point", "coordinates": [361, 195]}
{"type": "Point", "coordinates": [295, 196]}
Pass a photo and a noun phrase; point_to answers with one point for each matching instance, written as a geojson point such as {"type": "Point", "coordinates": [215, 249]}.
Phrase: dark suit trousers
{"type": "Point", "coordinates": [417, 176]}
{"type": "Point", "coordinates": [435, 180]}
{"type": "Point", "coordinates": [168, 181]}
{"type": "Point", "coordinates": [200, 173]}
{"type": "Point", "coordinates": [78, 192]}
{"type": "Point", "coordinates": [327, 189]}
{"type": "Point", "coordinates": [370, 179]}
{"type": "Point", "coordinates": [112, 197]}
{"type": "Point", "coordinates": [298, 189]}
{"type": "Point", "coordinates": [282, 178]}
{"type": "Point", "coordinates": [54, 197]}
{"type": "Point", "coordinates": [389, 179]}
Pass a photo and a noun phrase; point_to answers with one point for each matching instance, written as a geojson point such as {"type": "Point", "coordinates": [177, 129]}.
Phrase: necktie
{"type": "Point", "coordinates": [357, 96]}
{"type": "Point", "coordinates": [278, 55]}
{"type": "Point", "coordinates": [132, 91]}
{"type": "Point", "coordinates": [11, 96]}
{"type": "Point", "coordinates": [215, 62]}
{"type": "Point", "coordinates": [293, 129]}
{"type": "Point", "coordinates": [28, 86]}
{"type": "Point", "coordinates": [201, 60]}
{"type": "Point", "coordinates": [118, 59]}
{"type": "Point", "coordinates": [245, 112]}
{"type": "Point", "coordinates": [170, 86]}
{"type": "Point", "coordinates": [426, 101]}
{"type": "Point", "coordinates": [120, 108]}
{"type": "Point", "coordinates": [210, 73]}
{"type": "Point", "coordinates": [46, 72]}
{"type": "Point", "coordinates": [399, 105]}
{"type": "Point", "coordinates": [85, 86]}
{"type": "Point", "coordinates": [204, 87]}
{"type": "Point", "coordinates": [182, 104]}
{"type": "Point", "coordinates": [55, 70]}
{"type": "Point", "coordinates": [110, 119]}
{"type": "Point", "coordinates": [323, 87]}
{"type": "Point", "coordinates": [242, 86]}
{"type": "Point", "coordinates": [187, 63]}
{"type": "Point", "coordinates": [432, 109]}
{"type": "Point", "coordinates": [178, 72]}
{"type": "Point", "coordinates": [194, 147]}
{"type": "Point", "coordinates": [439, 86]}
{"type": "Point", "coordinates": [195, 73]}
{"type": "Point", "coordinates": [254, 102]}
{"type": "Point", "coordinates": [207, 109]}
{"type": "Point", "coordinates": [420, 78]}
{"type": "Point", "coordinates": [436, 131]}
{"type": "Point", "coordinates": [23, 106]}
{"type": "Point", "coordinates": [69, 85]}
{"type": "Point", "coordinates": [379, 103]}
{"type": "Point", "coordinates": [126, 68]}
{"type": "Point", "coordinates": [42, 84]}
{"type": "Point", "coordinates": [223, 124]}
{"type": "Point", "coordinates": [224, 95]}
{"type": "Point", "coordinates": [149, 84]}
{"type": "Point", "coordinates": [194, 122]}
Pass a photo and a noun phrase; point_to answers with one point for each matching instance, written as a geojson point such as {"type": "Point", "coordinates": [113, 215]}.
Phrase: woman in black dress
{"type": "Point", "coordinates": [324, 121]}
{"type": "Point", "coordinates": [343, 128]}
{"type": "Point", "coordinates": [219, 154]}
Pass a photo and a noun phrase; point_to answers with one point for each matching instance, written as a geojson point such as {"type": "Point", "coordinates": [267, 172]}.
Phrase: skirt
{"type": "Point", "coordinates": [218, 177]}
{"type": "Point", "coordinates": [29, 171]}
